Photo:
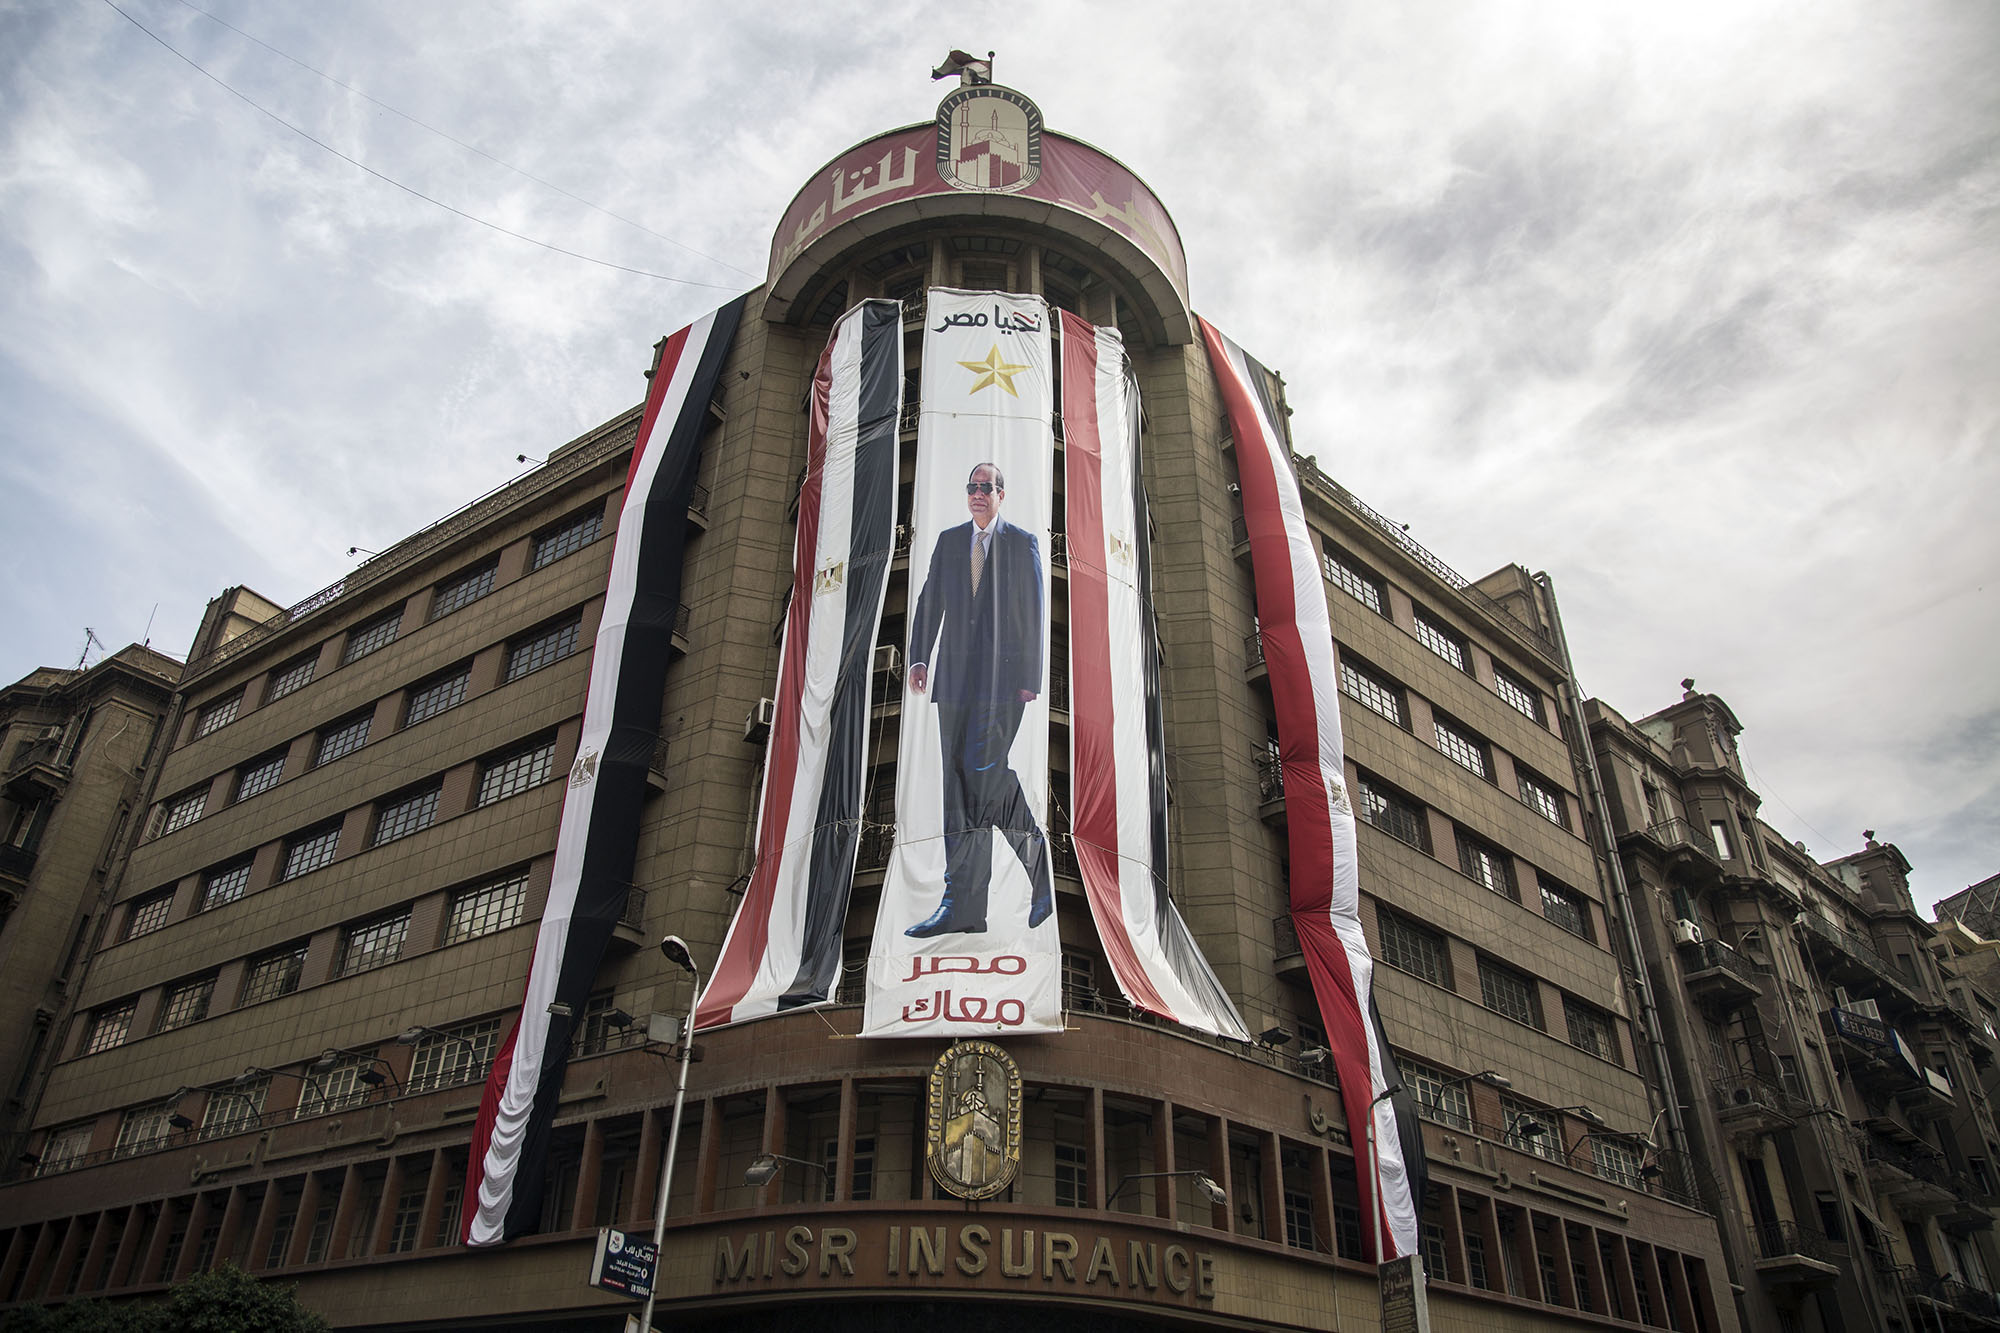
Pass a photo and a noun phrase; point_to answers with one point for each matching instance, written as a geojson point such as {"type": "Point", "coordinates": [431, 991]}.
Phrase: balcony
{"type": "Point", "coordinates": [38, 773]}
{"type": "Point", "coordinates": [698, 508]}
{"type": "Point", "coordinates": [1876, 1054]}
{"type": "Point", "coordinates": [1795, 1256]}
{"type": "Point", "coordinates": [1286, 955]}
{"type": "Point", "coordinates": [1685, 850]}
{"type": "Point", "coordinates": [1847, 959]}
{"type": "Point", "coordinates": [1949, 1303]}
{"type": "Point", "coordinates": [629, 931]}
{"type": "Point", "coordinates": [16, 864]}
{"type": "Point", "coordinates": [1748, 1104]}
{"type": "Point", "coordinates": [1253, 656]}
{"type": "Point", "coordinates": [1270, 787]}
{"type": "Point", "coordinates": [1910, 1174]}
{"type": "Point", "coordinates": [1717, 974]}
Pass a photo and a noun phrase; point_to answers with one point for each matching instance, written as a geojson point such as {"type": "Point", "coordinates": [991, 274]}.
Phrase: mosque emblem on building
{"type": "Point", "coordinates": [973, 1125]}
{"type": "Point", "coordinates": [989, 139]}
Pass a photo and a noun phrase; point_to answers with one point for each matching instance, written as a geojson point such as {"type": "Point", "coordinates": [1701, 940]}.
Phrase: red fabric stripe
{"type": "Point", "coordinates": [1094, 785]}
{"type": "Point", "coordinates": [663, 375]}
{"type": "Point", "coordinates": [482, 1133]}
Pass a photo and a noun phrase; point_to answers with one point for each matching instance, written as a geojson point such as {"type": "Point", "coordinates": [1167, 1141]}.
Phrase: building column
{"type": "Point", "coordinates": [232, 1223]}
{"type": "Point", "coordinates": [1093, 1144]}
{"type": "Point", "coordinates": [1673, 1278]}
{"type": "Point", "coordinates": [343, 1212]}
{"type": "Point", "coordinates": [1621, 1275]}
{"type": "Point", "coordinates": [849, 1125]}
{"type": "Point", "coordinates": [1452, 1223]}
{"type": "Point", "coordinates": [36, 1273]}
{"type": "Point", "coordinates": [1271, 1174]}
{"type": "Point", "coordinates": [302, 1227]}
{"type": "Point", "coordinates": [190, 1254]}
{"type": "Point", "coordinates": [646, 1178]}
{"type": "Point", "coordinates": [65, 1256]}
{"type": "Point", "coordinates": [1593, 1271]}
{"type": "Point", "coordinates": [708, 1165]}
{"type": "Point", "coordinates": [266, 1227]}
{"type": "Point", "coordinates": [128, 1249]}
{"type": "Point", "coordinates": [1166, 1201]}
{"type": "Point", "coordinates": [1322, 1191]}
{"type": "Point", "coordinates": [91, 1279]}
{"type": "Point", "coordinates": [12, 1262]}
{"type": "Point", "coordinates": [384, 1225]}
{"type": "Point", "coordinates": [589, 1176]}
{"type": "Point", "coordinates": [156, 1246]}
{"type": "Point", "coordinates": [773, 1142]}
{"type": "Point", "coordinates": [1558, 1234]}
{"type": "Point", "coordinates": [1218, 1169]}
{"type": "Point", "coordinates": [432, 1216]}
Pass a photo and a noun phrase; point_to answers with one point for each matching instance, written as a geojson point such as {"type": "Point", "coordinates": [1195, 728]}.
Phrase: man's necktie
{"type": "Point", "coordinates": [978, 560]}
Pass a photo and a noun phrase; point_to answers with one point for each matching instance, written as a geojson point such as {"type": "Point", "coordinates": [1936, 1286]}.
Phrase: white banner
{"type": "Point", "coordinates": [965, 937]}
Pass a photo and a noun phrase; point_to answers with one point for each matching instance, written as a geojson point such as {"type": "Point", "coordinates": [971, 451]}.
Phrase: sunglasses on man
{"type": "Point", "coordinates": [980, 488]}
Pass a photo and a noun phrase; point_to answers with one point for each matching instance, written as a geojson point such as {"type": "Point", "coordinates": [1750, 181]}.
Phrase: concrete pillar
{"type": "Point", "coordinates": [266, 1227]}
{"type": "Point", "coordinates": [646, 1180]}
{"type": "Point", "coordinates": [435, 1184]}
{"type": "Point", "coordinates": [589, 1177]}
{"type": "Point", "coordinates": [302, 1226]}
{"type": "Point", "coordinates": [344, 1212]}
{"type": "Point", "coordinates": [850, 1120]}
{"type": "Point", "coordinates": [385, 1212]}
{"type": "Point", "coordinates": [1166, 1201]}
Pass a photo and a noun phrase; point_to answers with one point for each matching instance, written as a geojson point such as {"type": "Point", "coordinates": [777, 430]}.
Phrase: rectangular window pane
{"type": "Point", "coordinates": [573, 535]}
{"type": "Point", "coordinates": [1590, 1029]}
{"type": "Point", "coordinates": [1371, 691]}
{"type": "Point", "coordinates": [109, 1027]}
{"type": "Point", "coordinates": [148, 913]}
{"type": "Point", "coordinates": [343, 738]}
{"type": "Point", "coordinates": [335, 1089]}
{"type": "Point", "coordinates": [1357, 583]}
{"type": "Point", "coordinates": [464, 590]}
{"type": "Point", "coordinates": [1463, 748]}
{"type": "Point", "coordinates": [143, 1129]}
{"type": "Point", "coordinates": [1523, 1120]}
{"type": "Point", "coordinates": [1443, 641]}
{"type": "Point", "coordinates": [491, 907]}
{"type": "Point", "coordinates": [1071, 1191]}
{"type": "Point", "coordinates": [1440, 1096]}
{"type": "Point", "coordinates": [1394, 813]}
{"type": "Point", "coordinates": [1518, 694]}
{"type": "Point", "coordinates": [234, 1108]}
{"type": "Point", "coordinates": [374, 635]}
{"type": "Point", "coordinates": [65, 1149]}
{"type": "Point", "coordinates": [1505, 991]}
{"type": "Point", "coordinates": [430, 699]}
{"type": "Point", "coordinates": [1488, 865]}
{"type": "Point", "coordinates": [260, 776]}
{"type": "Point", "coordinates": [1414, 949]}
{"type": "Point", "coordinates": [218, 714]}
{"type": "Point", "coordinates": [310, 851]}
{"type": "Point", "coordinates": [183, 810]}
{"type": "Point", "coordinates": [186, 1003]}
{"type": "Point", "coordinates": [373, 944]}
{"type": "Point", "coordinates": [1618, 1161]}
{"type": "Point", "coordinates": [406, 815]}
{"type": "Point", "coordinates": [296, 676]}
{"type": "Point", "coordinates": [274, 974]}
{"type": "Point", "coordinates": [1540, 796]}
{"type": "Point", "coordinates": [550, 645]}
{"type": "Point", "coordinates": [453, 1056]}
{"type": "Point", "coordinates": [1567, 908]}
{"type": "Point", "coordinates": [517, 772]}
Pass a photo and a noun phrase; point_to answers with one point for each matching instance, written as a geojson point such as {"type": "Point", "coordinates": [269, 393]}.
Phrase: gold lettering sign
{"type": "Point", "coordinates": [973, 1128]}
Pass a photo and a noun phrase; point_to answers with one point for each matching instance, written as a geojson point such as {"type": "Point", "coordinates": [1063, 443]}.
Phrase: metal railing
{"type": "Point", "coordinates": [16, 862]}
{"type": "Point", "coordinates": [1284, 936]}
{"type": "Point", "coordinates": [1678, 834]}
{"type": "Point", "coordinates": [634, 913]}
{"type": "Point", "coordinates": [1715, 956]}
{"type": "Point", "coordinates": [1253, 648]}
{"type": "Point", "coordinates": [1778, 1240]}
{"type": "Point", "coordinates": [1270, 777]}
{"type": "Point", "coordinates": [1059, 549]}
{"type": "Point", "coordinates": [47, 753]}
{"type": "Point", "coordinates": [698, 501]}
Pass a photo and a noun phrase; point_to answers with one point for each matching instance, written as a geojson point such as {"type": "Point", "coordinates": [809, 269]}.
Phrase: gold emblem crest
{"type": "Point", "coordinates": [973, 1129]}
{"type": "Point", "coordinates": [1121, 549]}
{"type": "Point", "coordinates": [584, 771]}
{"type": "Point", "coordinates": [830, 578]}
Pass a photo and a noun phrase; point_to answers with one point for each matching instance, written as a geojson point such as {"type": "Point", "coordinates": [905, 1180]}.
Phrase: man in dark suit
{"type": "Point", "coordinates": [976, 648]}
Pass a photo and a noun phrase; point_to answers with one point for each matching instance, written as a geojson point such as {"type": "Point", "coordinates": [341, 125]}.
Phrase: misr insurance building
{"type": "Point", "coordinates": [324, 922]}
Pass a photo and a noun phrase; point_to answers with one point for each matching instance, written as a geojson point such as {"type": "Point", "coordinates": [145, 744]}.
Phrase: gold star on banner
{"type": "Point", "coordinates": [994, 371]}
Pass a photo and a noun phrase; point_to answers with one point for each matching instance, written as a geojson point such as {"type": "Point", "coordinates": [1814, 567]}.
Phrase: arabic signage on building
{"type": "Point", "coordinates": [623, 1263]}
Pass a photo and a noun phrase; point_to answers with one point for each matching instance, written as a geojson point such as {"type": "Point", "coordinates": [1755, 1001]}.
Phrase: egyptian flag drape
{"type": "Point", "coordinates": [783, 949]}
{"type": "Point", "coordinates": [1325, 894]}
{"type": "Point", "coordinates": [600, 818]}
{"type": "Point", "coordinates": [1117, 733]}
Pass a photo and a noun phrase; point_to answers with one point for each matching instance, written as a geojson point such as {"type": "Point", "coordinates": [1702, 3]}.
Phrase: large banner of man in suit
{"type": "Point", "coordinates": [965, 937]}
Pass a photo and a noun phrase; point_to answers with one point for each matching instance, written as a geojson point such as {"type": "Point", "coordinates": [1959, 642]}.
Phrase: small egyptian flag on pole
{"type": "Point", "coordinates": [969, 69]}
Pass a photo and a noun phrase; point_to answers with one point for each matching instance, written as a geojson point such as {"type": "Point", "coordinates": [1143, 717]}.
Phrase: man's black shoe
{"type": "Point", "coordinates": [1044, 903]}
{"type": "Point", "coordinates": [944, 922]}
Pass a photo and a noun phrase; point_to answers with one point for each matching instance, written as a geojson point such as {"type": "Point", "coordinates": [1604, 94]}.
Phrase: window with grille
{"type": "Point", "coordinates": [65, 1148]}
{"type": "Point", "coordinates": [1071, 1188]}
{"type": "Point", "coordinates": [1618, 1160]}
{"type": "Point", "coordinates": [273, 974]}
{"type": "Point", "coordinates": [225, 885]}
{"type": "Point", "coordinates": [1298, 1219]}
{"type": "Point", "coordinates": [1507, 992]}
{"type": "Point", "coordinates": [487, 908]}
{"type": "Point", "coordinates": [148, 914]}
{"type": "Point", "coordinates": [1475, 1252]}
{"type": "Point", "coordinates": [260, 775]}
{"type": "Point", "coordinates": [593, 1030]}
{"type": "Point", "coordinates": [540, 649]}
{"type": "Point", "coordinates": [233, 1109]}
{"type": "Point", "coordinates": [434, 697]}
{"type": "Point", "coordinates": [1371, 691]}
{"type": "Point", "coordinates": [342, 738]}
{"type": "Point", "coordinates": [1567, 908]}
{"type": "Point", "coordinates": [464, 590]}
{"type": "Point", "coordinates": [1444, 641]}
{"type": "Point", "coordinates": [1521, 1119]}
{"type": "Point", "coordinates": [1079, 980]}
{"type": "Point", "coordinates": [143, 1129]}
{"type": "Point", "coordinates": [864, 1168]}
{"type": "Point", "coordinates": [1517, 693]}
{"type": "Point", "coordinates": [183, 810]}
{"type": "Point", "coordinates": [407, 814]}
{"type": "Point", "coordinates": [516, 772]}
{"type": "Point", "coordinates": [1347, 1230]}
{"type": "Point", "coordinates": [217, 715]}
{"type": "Point", "coordinates": [455, 1055]}
{"type": "Point", "coordinates": [373, 944]}
{"type": "Point", "coordinates": [1394, 813]}
{"type": "Point", "coordinates": [572, 534]}
{"type": "Point", "coordinates": [292, 677]}
{"type": "Point", "coordinates": [109, 1027]}
{"type": "Point", "coordinates": [1355, 581]}
{"type": "Point", "coordinates": [376, 634]}
{"type": "Point", "coordinates": [1413, 948]}
{"type": "Point", "coordinates": [1433, 1241]}
{"type": "Point", "coordinates": [1439, 1096]}
{"type": "Point", "coordinates": [186, 1003]}
{"type": "Point", "coordinates": [1488, 865]}
{"type": "Point", "coordinates": [1590, 1029]}
{"type": "Point", "coordinates": [406, 1221]}
{"type": "Point", "coordinates": [334, 1089]}
{"type": "Point", "coordinates": [454, 1194]}
{"type": "Point", "coordinates": [1539, 795]}
{"type": "Point", "coordinates": [1463, 748]}
{"type": "Point", "coordinates": [309, 851]}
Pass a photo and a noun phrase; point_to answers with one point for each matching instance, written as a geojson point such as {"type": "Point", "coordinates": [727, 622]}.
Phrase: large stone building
{"type": "Point", "coordinates": [277, 1053]}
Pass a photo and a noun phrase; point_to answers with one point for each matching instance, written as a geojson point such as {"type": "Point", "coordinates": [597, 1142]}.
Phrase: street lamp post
{"type": "Point", "coordinates": [675, 949]}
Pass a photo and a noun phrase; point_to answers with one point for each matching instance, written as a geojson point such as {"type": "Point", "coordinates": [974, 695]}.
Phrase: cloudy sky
{"type": "Point", "coordinates": [1691, 305]}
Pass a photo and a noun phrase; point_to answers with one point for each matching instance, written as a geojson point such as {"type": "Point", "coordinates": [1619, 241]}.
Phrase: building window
{"type": "Point", "coordinates": [186, 1003]}
{"type": "Point", "coordinates": [516, 772]}
{"type": "Point", "coordinates": [309, 851]}
{"type": "Point", "coordinates": [260, 775]}
{"type": "Point", "coordinates": [292, 677]}
{"type": "Point", "coordinates": [490, 907]}
{"type": "Point", "coordinates": [373, 943]}
{"type": "Point", "coordinates": [1415, 949]}
{"type": "Point", "coordinates": [1355, 581]}
{"type": "Point", "coordinates": [1298, 1219]}
{"type": "Point", "coordinates": [1347, 1230]}
{"type": "Point", "coordinates": [1539, 795]}
{"type": "Point", "coordinates": [1567, 908]}
{"type": "Point", "coordinates": [1072, 1191]}
{"type": "Point", "coordinates": [864, 1168]}
{"type": "Point", "coordinates": [1444, 641]}
{"type": "Point", "coordinates": [1522, 1118]}
{"type": "Point", "coordinates": [1079, 981]}
{"type": "Point", "coordinates": [407, 814]}
{"type": "Point", "coordinates": [109, 1027]}
{"type": "Point", "coordinates": [1517, 694]}
{"type": "Point", "coordinates": [1487, 864]}
{"type": "Point", "coordinates": [1439, 1096]}
{"type": "Point", "coordinates": [1372, 692]}
{"type": "Point", "coordinates": [65, 1148]}
{"type": "Point", "coordinates": [1394, 813]}
{"type": "Point", "coordinates": [456, 1055]}
{"type": "Point", "coordinates": [143, 1129]}
{"type": "Point", "coordinates": [225, 885]}
{"type": "Point", "coordinates": [593, 1030]}
{"type": "Point", "coordinates": [233, 1109]}
{"type": "Point", "coordinates": [337, 1088]}
{"type": "Point", "coordinates": [342, 738]}
{"type": "Point", "coordinates": [434, 697]}
{"type": "Point", "coordinates": [1507, 992]}
{"type": "Point", "coordinates": [274, 974]}
{"type": "Point", "coordinates": [183, 810]}
{"type": "Point", "coordinates": [408, 1218]}
{"type": "Point", "coordinates": [1475, 1251]}
{"type": "Point", "coordinates": [572, 534]}
{"type": "Point", "coordinates": [215, 716]}
{"type": "Point", "coordinates": [377, 633]}
{"type": "Point", "coordinates": [148, 914]}
{"type": "Point", "coordinates": [1590, 1029]}
{"type": "Point", "coordinates": [541, 648]}
{"type": "Point", "coordinates": [1720, 832]}
{"type": "Point", "coordinates": [1433, 1242]}
{"type": "Point", "coordinates": [1463, 748]}
{"type": "Point", "coordinates": [1618, 1161]}
{"type": "Point", "coordinates": [464, 590]}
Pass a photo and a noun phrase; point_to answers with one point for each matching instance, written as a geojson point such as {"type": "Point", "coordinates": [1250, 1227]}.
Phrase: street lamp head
{"type": "Point", "coordinates": [1209, 1189]}
{"type": "Point", "coordinates": [762, 1168]}
{"type": "Point", "coordinates": [675, 950]}
{"type": "Point", "coordinates": [410, 1036]}
{"type": "Point", "coordinates": [1493, 1079]}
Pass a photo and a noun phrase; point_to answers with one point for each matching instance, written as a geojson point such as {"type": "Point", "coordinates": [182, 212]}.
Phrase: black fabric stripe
{"type": "Point", "coordinates": [1149, 664]}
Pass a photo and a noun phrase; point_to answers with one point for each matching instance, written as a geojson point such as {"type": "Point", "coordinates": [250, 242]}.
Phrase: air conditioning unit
{"type": "Point", "coordinates": [888, 658]}
{"type": "Point", "coordinates": [1687, 932]}
{"type": "Point", "coordinates": [758, 724]}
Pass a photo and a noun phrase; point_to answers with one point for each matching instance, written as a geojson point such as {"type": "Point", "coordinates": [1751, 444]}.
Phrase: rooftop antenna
{"type": "Point", "coordinates": [89, 637]}
{"type": "Point", "coordinates": [147, 642]}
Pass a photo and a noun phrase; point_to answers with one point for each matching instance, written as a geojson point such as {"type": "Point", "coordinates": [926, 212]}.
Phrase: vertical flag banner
{"type": "Point", "coordinates": [1326, 896]}
{"type": "Point", "coordinates": [965, 936]}
{"type": "Point", "coordinates": [783, 949]}
{"type": "Point", "coordinates": [1117, 734]}
{"type": "Point", "coordinates": [599, 833]}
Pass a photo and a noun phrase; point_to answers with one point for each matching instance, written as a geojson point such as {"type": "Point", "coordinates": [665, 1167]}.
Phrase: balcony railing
{"type": "Point", "coordinates": [1253, 648]}
{"type": "Point", "coordinates": [16, 862]}
{"type": "Point", "coordinates": [1270, 777]}
{"type": "Point", "coordinates": [1781, 1240]}
{"type": "Point", "coordinates": [1715, 968]}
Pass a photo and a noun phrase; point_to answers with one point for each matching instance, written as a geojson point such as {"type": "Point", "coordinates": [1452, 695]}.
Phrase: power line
{"type": "Point", "coordinates": [390, 180]}
{"type": "Point", "coordinates": [470, 148]}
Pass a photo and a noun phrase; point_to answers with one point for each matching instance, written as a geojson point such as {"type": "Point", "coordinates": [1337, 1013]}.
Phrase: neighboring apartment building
{"type": "Point", "coordinates": [1835, 1067]}
{"type": "Point", "coordinates": [75, 750]}
{"type": "Point", "coordinates": [324, 932]}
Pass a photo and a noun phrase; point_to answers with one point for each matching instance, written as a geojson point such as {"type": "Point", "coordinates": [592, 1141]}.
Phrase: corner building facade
{"type": "Point", "coordinates": [335, 940]}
